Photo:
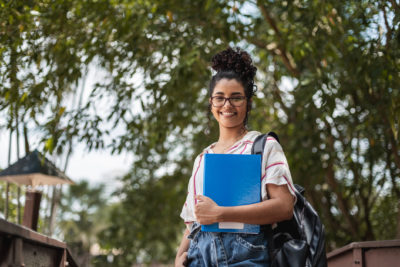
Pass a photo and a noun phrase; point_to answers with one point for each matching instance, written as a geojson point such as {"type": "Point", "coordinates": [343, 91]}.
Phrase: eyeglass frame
{"type": "Point", "coordinates": [227, 99]}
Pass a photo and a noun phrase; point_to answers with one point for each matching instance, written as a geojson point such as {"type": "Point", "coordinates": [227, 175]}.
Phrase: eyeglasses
{"type": "Point", "coordinates": [219, 101]}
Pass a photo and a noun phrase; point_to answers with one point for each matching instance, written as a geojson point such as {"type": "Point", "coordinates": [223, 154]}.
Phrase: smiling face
{"type": "Point", "coordinates": [229, 116]}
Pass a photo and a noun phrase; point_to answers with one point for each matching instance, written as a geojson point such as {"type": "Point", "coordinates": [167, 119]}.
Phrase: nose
{"type": "Point", "coordinates": [227, 102]}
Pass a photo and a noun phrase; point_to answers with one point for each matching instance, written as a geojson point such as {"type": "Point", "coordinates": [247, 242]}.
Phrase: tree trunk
{"type": "Point", "coordinates": [26, 140]}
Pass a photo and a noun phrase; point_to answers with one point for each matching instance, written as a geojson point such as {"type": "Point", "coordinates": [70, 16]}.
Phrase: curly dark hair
{"type": "Point", "coordinates": [234, 63]}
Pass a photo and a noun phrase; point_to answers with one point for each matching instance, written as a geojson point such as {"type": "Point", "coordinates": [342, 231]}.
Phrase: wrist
{"type": "Point", "coordinates": [221, 214]}
{"type": "Point", "coordinates": [227, 214]}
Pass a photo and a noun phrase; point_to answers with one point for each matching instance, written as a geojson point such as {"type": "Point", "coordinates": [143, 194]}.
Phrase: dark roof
{"type": "Point", "coordinates": [34, 162]}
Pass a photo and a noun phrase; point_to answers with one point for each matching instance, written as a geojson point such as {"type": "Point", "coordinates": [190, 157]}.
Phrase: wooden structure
{"type": "Point", "coordinates": [31, 210]}
{"type": "Point", "coordinates": [21, 246]}
{"type": "Point", "coordinates": [33, 170]}
{"type": "Point", "coordinates": [366, 254]}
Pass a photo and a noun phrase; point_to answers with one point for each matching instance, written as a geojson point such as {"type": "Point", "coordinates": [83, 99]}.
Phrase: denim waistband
{"type": "Point", "coordinates": [196, 227]}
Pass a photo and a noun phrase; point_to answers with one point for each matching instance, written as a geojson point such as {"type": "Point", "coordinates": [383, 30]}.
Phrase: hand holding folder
{"type": "Point", "coordinates": [232, 180]}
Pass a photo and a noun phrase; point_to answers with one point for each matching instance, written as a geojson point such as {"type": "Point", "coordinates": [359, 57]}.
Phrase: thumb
{"type": "Point", "coordinates": [200, 197]}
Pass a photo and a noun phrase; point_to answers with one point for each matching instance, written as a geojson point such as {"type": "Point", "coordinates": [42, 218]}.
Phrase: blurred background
{"type": "Point", "coordinates": [114, 92]}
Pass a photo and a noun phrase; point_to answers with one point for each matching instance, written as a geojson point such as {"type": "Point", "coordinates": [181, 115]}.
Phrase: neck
{"type": "Point", "coordinates": [229, 135]}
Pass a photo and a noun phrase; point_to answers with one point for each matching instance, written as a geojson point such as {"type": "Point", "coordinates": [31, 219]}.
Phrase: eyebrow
{"type": "Point", "coordinates": [234, 93]}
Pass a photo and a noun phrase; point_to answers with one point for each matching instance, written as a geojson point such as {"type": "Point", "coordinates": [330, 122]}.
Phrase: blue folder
{"type": "Point", "coordinates": [232, 180]}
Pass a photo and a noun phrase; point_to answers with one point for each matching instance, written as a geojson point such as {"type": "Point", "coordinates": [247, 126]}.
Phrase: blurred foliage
{"type": "Point", "coordinates": [13, 205]}
{"type": "Point", "coordinates": [81, 218]}
{"type": "Point", "coordinates": [328, 84]}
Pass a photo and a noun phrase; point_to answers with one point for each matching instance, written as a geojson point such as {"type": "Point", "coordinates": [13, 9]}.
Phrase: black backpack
{"type": "Point", "coordinates": [300, 241]}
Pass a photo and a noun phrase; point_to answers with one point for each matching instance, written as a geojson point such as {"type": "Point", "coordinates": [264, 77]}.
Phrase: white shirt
{"type": "Point", "coordinates": [274, 170]}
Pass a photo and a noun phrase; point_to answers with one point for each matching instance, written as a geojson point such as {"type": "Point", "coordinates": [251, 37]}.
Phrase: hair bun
{"type": "Point", "coordinates": [235, 60]}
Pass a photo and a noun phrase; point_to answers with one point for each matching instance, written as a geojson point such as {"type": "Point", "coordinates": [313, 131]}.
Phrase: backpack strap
{"type": "Point", "coordinates": [274, 135]}
{"type": "Point", "coordinates": [258, 149]}
{"type": "Point", "coordinates": [259, 143]}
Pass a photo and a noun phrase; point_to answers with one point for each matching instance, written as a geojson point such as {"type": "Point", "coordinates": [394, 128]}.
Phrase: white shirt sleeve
{"type": "Point", "coordinates": [275, 169]}
{"type": "Point", "coordinates": [187, 214]}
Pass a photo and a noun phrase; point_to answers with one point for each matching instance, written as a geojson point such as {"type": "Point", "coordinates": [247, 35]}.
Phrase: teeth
{"type": "Point", "coordinates": [227, 113]}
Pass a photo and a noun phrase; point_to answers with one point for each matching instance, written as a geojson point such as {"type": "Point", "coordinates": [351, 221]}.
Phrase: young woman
{"type": "Point", "coordinates": [231, 91]}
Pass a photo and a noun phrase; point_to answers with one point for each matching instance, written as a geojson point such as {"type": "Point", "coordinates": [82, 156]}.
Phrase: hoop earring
{"type": "Point", "coordinates": [248, 107]}
{"type": "Point", "coordinates": [245, 121]}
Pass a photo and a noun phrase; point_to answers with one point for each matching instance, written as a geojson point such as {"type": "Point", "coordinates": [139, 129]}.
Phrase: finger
{"type": "Point", "coordinates": [185, 261]}
{"type": "Point", "coordinates": [202, 198]}
{"type": "Point", "coordinates": [199, 197]}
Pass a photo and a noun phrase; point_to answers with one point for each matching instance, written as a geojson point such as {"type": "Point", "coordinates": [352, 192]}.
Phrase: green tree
{"type": "Point", "coordinates": [328, 78]}
{"type": "Point", "coordinates": [340, 122]}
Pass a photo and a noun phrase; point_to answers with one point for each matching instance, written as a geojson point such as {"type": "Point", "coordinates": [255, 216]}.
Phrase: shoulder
{"type": "Point", "coordinates": [271, 141]}
{"type": "Point", "coordinates": [198, 157]}
{"type": "Point", "coordinates": [203, 152]}
{"type": "Point", "coordinates": [273, 151]}
{"type": "Point", "coordinates": [272, 145]}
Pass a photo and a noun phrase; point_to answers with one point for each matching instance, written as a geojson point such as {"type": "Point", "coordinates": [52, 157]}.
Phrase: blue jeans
{"type": "Point", "coordinates": [226, 249]}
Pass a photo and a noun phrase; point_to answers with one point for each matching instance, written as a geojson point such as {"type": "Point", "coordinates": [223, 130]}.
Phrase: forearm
{"type": "Point", "coordinates": [265, 212]}
{"type": "Point", "coordinates": [278, 208]}
{"type": "Point", "coordinates": [184, 246]}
